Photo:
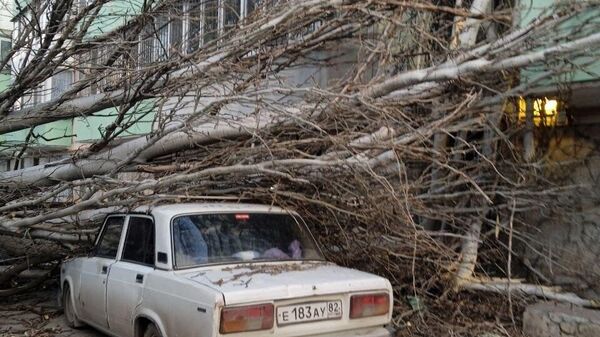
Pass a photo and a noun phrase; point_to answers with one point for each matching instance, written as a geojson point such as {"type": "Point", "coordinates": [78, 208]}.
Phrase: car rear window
{"type": "Point", "coordinates": [237, 237]}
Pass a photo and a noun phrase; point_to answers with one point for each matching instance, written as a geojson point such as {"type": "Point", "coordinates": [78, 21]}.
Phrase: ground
{"type": "Point", "coordinates": [37, 315]}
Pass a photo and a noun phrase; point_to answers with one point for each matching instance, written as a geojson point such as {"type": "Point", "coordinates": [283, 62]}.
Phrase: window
{"type": "Point", "coordinates": [211, 20]}
{"type": "Point", "coordinates": [38, 95]}
{"type": "Point", "coordinates": [232, 12]}
{"type": "Point", "coordinates": [109, 240]}
{"type": "Point", "coordinates": [139, 242]}
{"type": "Point", "coordinates": [188, 25]}
{"type": "Point", "coordinates": [176, 27]}
{"type": "Point", "coordinates": [163, 36]}
{"type": "Point", "coordinates": [162, 45]}
{"type": "Point", "coordinates": [194, 11]}
{"type": "Point", "coordinates": [61, 82]}
{"type": "Point", "coordinates": [5, 47]}
{"type": "Point", "coordinates": [147, 46]}
{"type": "Point", "coordinates": [251, 6]}
{"type": "Point", "coordinates": [230, 237]}
{"type": "Point", "coordinates": [33, 97]}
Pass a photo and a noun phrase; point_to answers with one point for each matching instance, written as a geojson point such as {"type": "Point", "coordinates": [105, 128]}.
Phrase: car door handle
{"type": "Point", "coordinates": [104, 269]}
{"type": "Point", "coordinates": [139, 278]}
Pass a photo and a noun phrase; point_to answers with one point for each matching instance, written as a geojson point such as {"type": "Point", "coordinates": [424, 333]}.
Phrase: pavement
{"type": "Point", "coordinates": [37, 315]}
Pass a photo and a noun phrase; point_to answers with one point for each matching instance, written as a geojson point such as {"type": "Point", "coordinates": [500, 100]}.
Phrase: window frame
{"type": "Point", "coordinates": [7, 70]}
{"type": "Point", "coordinates": [299, 220]}
{"type": "Point", "coordinates": [101, 236]}
{"type": "Point", "coordinates": [122, 250]}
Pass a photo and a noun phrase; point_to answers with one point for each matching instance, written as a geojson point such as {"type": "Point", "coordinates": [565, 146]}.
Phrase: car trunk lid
{"type": "Point", "coordinates": [251, 283]}
{"type": "Point", "coordinates": [293, 287]}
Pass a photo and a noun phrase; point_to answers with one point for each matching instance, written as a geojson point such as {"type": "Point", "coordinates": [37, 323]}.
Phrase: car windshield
{"type": "Point", "coordinates": [234, 237]}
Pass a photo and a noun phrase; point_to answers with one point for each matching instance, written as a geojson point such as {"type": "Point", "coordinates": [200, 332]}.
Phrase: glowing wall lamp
{"type": "Point", "coordinates": [545, 112]}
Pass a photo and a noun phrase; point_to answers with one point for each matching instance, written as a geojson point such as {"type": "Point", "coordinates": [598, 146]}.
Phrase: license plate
{"type": "Point", "coordinates": [309, 312]}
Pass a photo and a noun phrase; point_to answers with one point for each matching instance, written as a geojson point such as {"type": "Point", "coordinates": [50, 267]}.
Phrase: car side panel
{"type": "Point", "coordinates": [92, 293]}
{"type": "Point", "coordinates": [180, 307]}
{"type": "Point", "coordinates": [70, 273]}
{"type": "Point", "coordinates": [124, 293]}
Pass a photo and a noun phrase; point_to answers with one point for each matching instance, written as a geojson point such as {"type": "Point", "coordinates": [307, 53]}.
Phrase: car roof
{"type": "Point", "coordinates": [170, 210]}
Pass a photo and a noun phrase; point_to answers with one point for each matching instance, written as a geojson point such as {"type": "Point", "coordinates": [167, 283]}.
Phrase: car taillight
{"type": "Point", "coordinates": [250, 318]}
{"type": "Point", "coordinates": [369, 305]}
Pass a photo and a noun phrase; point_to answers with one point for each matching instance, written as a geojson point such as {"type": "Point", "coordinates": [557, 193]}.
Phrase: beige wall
{"type": "Point", "coordinates": [6, 14]}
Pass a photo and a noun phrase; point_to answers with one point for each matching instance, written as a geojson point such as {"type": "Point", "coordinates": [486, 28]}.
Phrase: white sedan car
{"type": "Point", "coordinates": [205, 270]}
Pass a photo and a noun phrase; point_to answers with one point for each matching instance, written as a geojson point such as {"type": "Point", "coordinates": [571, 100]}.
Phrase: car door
{"type": "Point", "coordinates": [128, 275]}
{"type": "Point", "coordinates": [95, 269]}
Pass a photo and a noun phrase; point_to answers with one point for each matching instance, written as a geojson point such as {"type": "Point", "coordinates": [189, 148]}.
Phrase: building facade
{"type": "Point", "coordinates": [188, 26]}
{"type": "Point", "coordinates": [565, 145]}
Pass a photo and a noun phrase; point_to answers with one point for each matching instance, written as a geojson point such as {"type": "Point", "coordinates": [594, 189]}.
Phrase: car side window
{"type": "Point", "coordinates": [139, 242]}
{"type": "Point", "coordinates": [111, 235]}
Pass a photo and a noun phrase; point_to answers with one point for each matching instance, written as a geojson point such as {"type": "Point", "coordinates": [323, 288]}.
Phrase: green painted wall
{"type": "Point", "coordinates": [89, 129]}
{"type": "Point", "coordinates": [113, 15]}
{"type": "Point", "coordinates": [5, 82]}
{"type": "Point", "coordinates": [586, 67]}
{"type": "Point", "coordinates": [62, 134]}
{"type": "Point", "coordinates": [55, 134]}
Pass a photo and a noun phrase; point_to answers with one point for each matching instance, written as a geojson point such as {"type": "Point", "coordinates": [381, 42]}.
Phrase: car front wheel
{"type": "Point", "coordinates": [152, 331]}
{"type": "Point", "coordinates": [70, 316]}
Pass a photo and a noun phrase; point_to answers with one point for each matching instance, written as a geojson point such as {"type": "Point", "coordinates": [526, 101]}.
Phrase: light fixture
{"type": "Point", "coordinates": [546, 112]}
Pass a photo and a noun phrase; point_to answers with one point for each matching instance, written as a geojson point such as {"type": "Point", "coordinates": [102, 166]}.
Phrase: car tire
{"type": "Point", "coordinates": [70, 315]}
{"type": "Point", "coordinates": [152, 331]}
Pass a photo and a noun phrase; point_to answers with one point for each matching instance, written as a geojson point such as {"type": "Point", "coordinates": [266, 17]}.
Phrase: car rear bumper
{"type": "Point", "coordinates": [370, 332]}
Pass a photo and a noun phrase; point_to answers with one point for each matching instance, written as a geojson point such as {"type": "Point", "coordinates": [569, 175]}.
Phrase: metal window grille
{"type": "Point", "coordinates": [162, 38]}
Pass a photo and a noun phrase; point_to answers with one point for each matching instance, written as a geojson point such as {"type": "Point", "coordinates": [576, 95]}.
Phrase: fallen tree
{"type": "Point", "coordinates": [407, 162]}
